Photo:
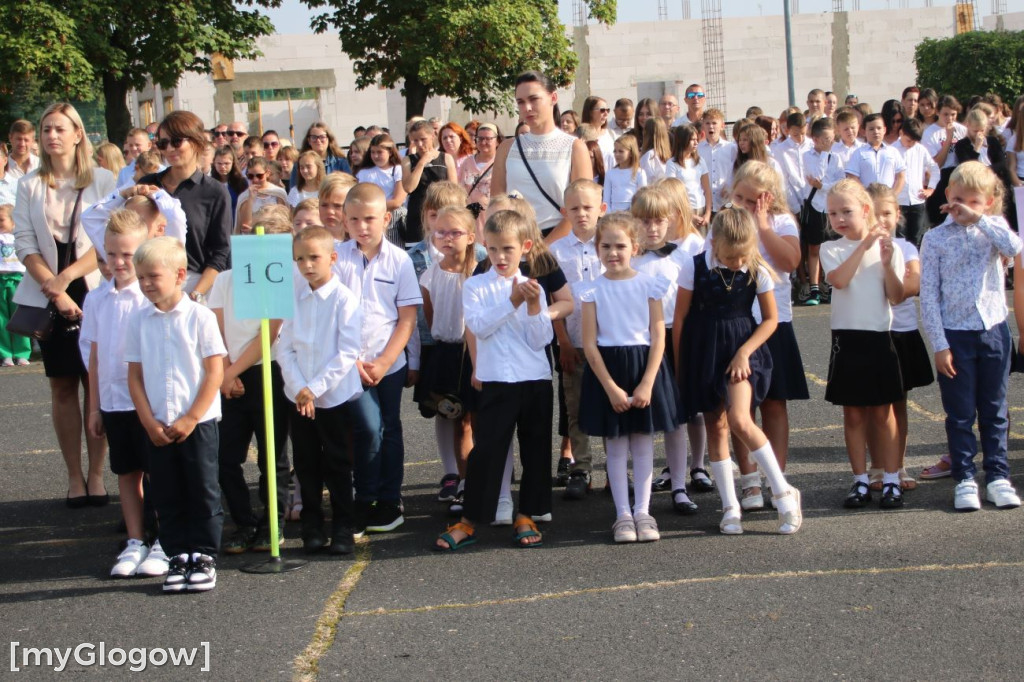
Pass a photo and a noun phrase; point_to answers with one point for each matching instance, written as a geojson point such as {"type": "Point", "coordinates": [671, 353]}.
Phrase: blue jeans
{"type": "Point", "coordinates": [982, 363]}
{"type": "Point", "coordinates": [377, 437]}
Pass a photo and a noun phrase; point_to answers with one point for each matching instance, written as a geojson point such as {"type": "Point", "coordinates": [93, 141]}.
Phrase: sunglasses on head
{"type": "Point", "coordinates": [255, 176]}
{"type": "Point", "coordinates": [695, 95]}
{"type": "Point", "coordinates": [164, 142]}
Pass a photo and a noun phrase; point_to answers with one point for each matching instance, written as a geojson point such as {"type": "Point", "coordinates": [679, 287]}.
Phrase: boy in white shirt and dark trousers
{"type": "Point", "coordinates": [790, 155]}
{"type": "Point", "coordinates": [507, 314]}
{"type": "Point", "coordinates": [175, 368]}
{"type": "Point", "coordinates": [876, 161]}
{"type": "Point", "coordinates": [318, 352]}
{"type": "Point", "coordinates": [383, 278]}
{"type": "Point", "coordinates": [719, 155]}
{"type": "Point", "coordinates": [824, 169]}
{"type": "Point", "coordinates": [922, 179]}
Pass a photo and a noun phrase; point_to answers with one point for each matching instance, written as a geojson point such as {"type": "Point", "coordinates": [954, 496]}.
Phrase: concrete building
{"type": "Point", "coordinates": [303, 78]}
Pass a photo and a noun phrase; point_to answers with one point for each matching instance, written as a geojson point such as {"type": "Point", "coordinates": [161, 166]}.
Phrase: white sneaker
{"type": "Point", "coordinates": [129, 559]}
{"type": "Point", "coordinates": [965, 496]}
{"type": "Point", "coordinates": [503, 516]}
{"type": "Point", "coordinates": [155, 564]}
{"type": "Point", "coordinates": [1001, 494]}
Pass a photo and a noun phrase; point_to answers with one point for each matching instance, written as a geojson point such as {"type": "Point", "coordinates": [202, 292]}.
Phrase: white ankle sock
{"type": "Point", "coordinates": [642, 447]}
{"type": "Point", "coordinates": [765, 458]}
{"type": "Point", "coordinates": [891, 478]}
{"type": "Point", "coordinates": [752, 480]}
{"type": "Point", "coordinates": [618, 454]}
{"type": "Point", "coordinates": [675, 456]}
{"type": "Point", "coordinates": [444, 431]}
{"type": "Point", "coordinates": [861, 478]}
{"type": "Point", "coordinates": [506, 477]}
{"type": "Point", "coordinates": [724, 482]}
{"type": "Point", "coordinates": [698, 441]}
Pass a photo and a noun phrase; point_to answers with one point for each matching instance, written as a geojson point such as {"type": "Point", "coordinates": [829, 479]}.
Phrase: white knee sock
{"type": "Point", "coordinates": [444, 431]}
{"type": "Point", "coordinates": [506, 478]}
{"type": "Point", "coordinates": [765, 458]}
{"type": "Point", "coordinates": [618, 453]}
{"type": "Point", "coordinates": [642, 447]}
{"type": "Point", "coordinates": [675, 456]}
{"type": "Point", "coordinates": [723, 481]}
{"type": "Point", "coordinates": [698, 441]}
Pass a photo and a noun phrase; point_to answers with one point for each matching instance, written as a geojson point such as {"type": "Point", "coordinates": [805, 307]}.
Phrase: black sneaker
{"type": "Point", "coordinates": [342, 541]}
{"type": "Point", "coordinates": [177, 574]}
{"type": "Point", "coordinates": [457, 504]}
{"type": "Point", "coordinates": [313, 540]}
{"type": "Point", "coordinates": [202, 575]}
{"type": "Point", "coordinates": [578, 485]}
{"type": "Point", "coordinates": [562, 475]}
{"type": "Point", "coordinates": [700, 481]}
{"type": "Point", "coordinates": [386, 516]}
{"type": "Point", "coordinates": [361, 513]}
{"type": "Point", "coordinates": [240, 541]}
{"type": "Point", "coordinates": [663, 481]}
{"type": "Point", "coordinates": [858, 497]}
{"type": "Point", "coordinates": [261, 543]}
{"type": "Point", "coordinates": [892, 496]}
{"type": "Point", "coordinates": [449, 486]}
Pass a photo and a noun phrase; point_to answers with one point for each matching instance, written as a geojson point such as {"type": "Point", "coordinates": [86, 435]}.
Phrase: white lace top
{"type": "Point", "coordinates": [550, 157]}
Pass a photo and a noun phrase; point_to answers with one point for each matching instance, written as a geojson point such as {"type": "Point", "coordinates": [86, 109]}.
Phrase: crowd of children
{"type": "Point", "coordinates": [666, 308]}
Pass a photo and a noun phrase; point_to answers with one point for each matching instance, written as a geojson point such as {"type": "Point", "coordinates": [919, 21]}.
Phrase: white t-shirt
{"type": "Point", "coordinates": [904, 315]}
{"type": "Point", "coordinates": [933, 137]}
{"type": "Point", "coordinates": [620, 185]}
{"type": "Point", "coordinates": [652, 166]}
{"type": "Point", "coordinates": [623, 312]}
{"type": "Point", "coordinates": [295, 197]}
{"type": "Point", "coordinates": [784, 226]}
{"type": "Point", "coordinates": [386, 179]}
{"type": "Point", "coordinates": [237, 333]}
{"type": "Point", "coordinates": [690, 173]}
{"type": "Point", "coordinates": [445, 289]}
{"type": "Point", "coordinates": [862, 304]}
{"type": "Point", "coordinates": [8, 255]}
{"type": "Point", "coordinates": [1011, 141]}
{"type": "Point", "coordinates": [668, 267]}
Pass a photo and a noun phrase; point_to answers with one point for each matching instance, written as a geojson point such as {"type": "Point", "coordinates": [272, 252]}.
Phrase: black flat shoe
{"type": "Point", "coordinates": [99, 500]}
{"type": "Point", "coordinates": [687, 507]}
{"type": "Point", "coordinates": [342, 542]}
{"type": "Point", "coordinates": [79, 502]}
{"type": "Point", "coordinates": [313, 541]}
{"type": "Point", "coordinates": [892, 496]}
{"type": "Point", "coordinates": [858, 497]}
{"type": "Point", "coordinates": [700, 481]}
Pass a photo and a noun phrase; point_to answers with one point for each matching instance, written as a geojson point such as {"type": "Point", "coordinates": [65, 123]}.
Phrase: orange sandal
{"type": "Point", "coordinates": [530, 532]}
{"type": "Point", "coordinates": [452, 544]}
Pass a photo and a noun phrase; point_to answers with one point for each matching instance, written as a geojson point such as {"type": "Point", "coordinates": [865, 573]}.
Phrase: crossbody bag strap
{"type": "Point", "coordinates": [522, 154]}
{"type": "Point", "coordinates": [72, 231]}
{"type": "Point", "coordinates": [483, 175]}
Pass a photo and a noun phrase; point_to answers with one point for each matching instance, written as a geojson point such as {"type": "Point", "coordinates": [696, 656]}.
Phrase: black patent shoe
{"type": "Point", "coordinates": [858, 497]}
{"type": "Point", "coordinates": [685, 506]}
{"type": "Point", "coordinates": [892, 496]}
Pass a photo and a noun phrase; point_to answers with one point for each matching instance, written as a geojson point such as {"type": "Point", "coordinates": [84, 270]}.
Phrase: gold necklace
{"type": "Point", "coordinates": [728, 285]}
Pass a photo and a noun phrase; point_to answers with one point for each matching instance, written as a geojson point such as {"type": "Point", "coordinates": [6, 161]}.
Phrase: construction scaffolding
{"type": "Point", "coordinates": [579, 13]}
{"type": "Point", "coordinates": [714, 52]}
{"type": "Point", "coordinates": [662, 10]}
{"type": "Point", "coordinates": [686, 9]}
{"type": "Point", "coordinates": [967, 16]}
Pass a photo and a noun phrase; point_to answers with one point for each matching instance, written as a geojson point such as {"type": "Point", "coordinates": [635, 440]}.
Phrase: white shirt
{"type": "Point", "coordinates": [623, 309]}
{"type": "Point", "coordinates": [126, 176]}
{"type": "Point", "coordinates": [919, 163]}
{"type": "Point", "coordinates": [445, 290]}
{"type": "Point", "coordinates": [1011, 142]}
{"type": "Point", "coordinates": [790, 156]}
{"type": "Point", "coordinates": [581, 266]}
{"type": "Point", "coordinates": [862, 303]}
{"type": "Point", "coordinates": [685, 281]}
{"type": "Point", "coordinates": [8, 189]}
{"type": "Point", "coordinates": [105, 318]}
{"type": "Point", "coordinates": [510, 343]}
{"type": "Point", "coordinates": [8, 254]}
{"type": "Point", "coordinates": [668, 267]}
{"type": "Point", "coordinates": [295, 197]}
{"type": "Point", "coordinates": [844, 152]}
{"type": "Point", "coordinates": [881, 165]}
{"type": "Point", "coordinates": [933, 137]}
{"type": "Point", "coordinates": [719, 158]}
{"type": "Point", "coordinates": [783, 225]}
{"type": "Point", "coordinates": [904, 315]}
{"type": "Point", "coordinates": [690, 173]}
{"type": "Point", "coordinates": [385, 179]}
{"type": "Point", "coordinates": [652, 166]}
{"type": "Point", "coordinates": [237, 333]}
{"type": "Point", "coordinates": [319, 346]}
{"type": "Point", "coordinates": [96, 217]}
{"type": "Point", "coordinates": [383, 285]}
{"type": "Point", "coordinates": [14, 170]}
{"type": "Point", "coordinates": [828, 169]}
{"type": "Point", "coordinates": [620, 185]}
{"type": "Point", "coordinates": [171, 347]}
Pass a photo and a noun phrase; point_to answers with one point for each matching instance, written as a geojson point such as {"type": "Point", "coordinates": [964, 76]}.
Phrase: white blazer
{"type": "Point", "coordinates": [32, 235]}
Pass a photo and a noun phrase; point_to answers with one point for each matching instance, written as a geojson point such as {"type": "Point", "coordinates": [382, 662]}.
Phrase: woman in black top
{"type": "Point", "coordinates": [204, 200]}
{"type": "Point", "coordinates": [424, 166]}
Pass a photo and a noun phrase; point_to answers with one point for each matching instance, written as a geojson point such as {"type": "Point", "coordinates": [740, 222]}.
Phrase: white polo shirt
{"type": "Point", "coordinates": [319, 346]}
{"type": "Point", "coordinates": [383, 285]}
{"type": "Point", "coordinates": [105, 317]}
{"type": "Point", "coordinates": [880, 165]}
{"type": "Point", "coordinates": [510, 342]}
{"type": "Point", "coordinates": [172, 347]}
{"type": "Point", "coordinates": [581, 266]}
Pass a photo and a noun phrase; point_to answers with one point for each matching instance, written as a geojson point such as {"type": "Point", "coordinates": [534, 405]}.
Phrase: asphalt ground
{"type": "Point", "coordinates": [920, 593]}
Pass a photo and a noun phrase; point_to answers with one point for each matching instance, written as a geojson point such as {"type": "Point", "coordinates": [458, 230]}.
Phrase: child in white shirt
{"type": "Point", "coordinates": [687, 165]}
{"type": "Point", "coordinates": [14, 349]}
{"type": "Point", "coordinates": [922, 179]}
{"type": "Point", "coordinates": [622, 182]}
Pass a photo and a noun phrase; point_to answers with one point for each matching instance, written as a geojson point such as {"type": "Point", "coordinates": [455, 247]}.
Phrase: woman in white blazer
{"type": "Point", "coordinates": [42, 227]}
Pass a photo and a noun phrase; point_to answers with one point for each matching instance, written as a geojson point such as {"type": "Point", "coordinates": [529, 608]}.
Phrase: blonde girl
{"type": "Point", "coordinates": [661, 258]}
{"type": "Point", "coordinates": [333, 191]}
{"type": "Point", "coordinates": [724, 366]}
{"type": "Point", "coordinates": [311, 175]}
{"type": "Point", "coordinates": [623, 181]}
{"type": "Point", "coordinates": [656, 150]}
{"type": "Point", "coordinates": [110, 157]}
{"type": "Point", "coordinates": [627, 392]}
{"type": "Point", "coordinates": [687, 165]}
{"type": "Point", "coordinates": [866, 271]}
{"type": "Point", "coordinates": [681, 221]}
{"type": "Point", "coordinates": [915, 365]}
{"type": "Point", "coordinates": [757, 187]}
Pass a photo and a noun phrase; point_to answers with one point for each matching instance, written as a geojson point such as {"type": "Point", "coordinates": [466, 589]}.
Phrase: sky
{"type": "Point", "coordinates": [293, 16]}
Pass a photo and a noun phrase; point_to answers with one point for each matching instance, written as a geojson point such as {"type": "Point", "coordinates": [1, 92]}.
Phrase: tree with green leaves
{"type": "Point", "coordinates": [71, 45]}
{"type": "Point", "coordinates": [973, 63]}
{"type": "Point", "coordinates": [470, 50]}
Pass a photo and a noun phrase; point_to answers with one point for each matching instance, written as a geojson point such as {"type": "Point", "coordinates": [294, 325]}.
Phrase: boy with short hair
{"type": "Point", "coordinates": [719, 155]}
{"type": "Point", "coordinates": [576, 254]}
{"type": "Point", "coordinates": [790, 155]}
{"type": "Point", "coordinates": [815, 104]}
{"type": "Point", "coordinates": [175, 371]}
{"type": "Point", "coordinates": [382, 276]}
{"type": "Point", "coordinates": [847, 127]}
{"type": "Point", "coordinates": [876, 161]}
{"type": "Point", "coordinates": [105, 315]}
{"type": "Point", "coordinates": [922, 179]}
{"type": "Point", "coordinates": [318, 352]}
{"type": "Point", "coordinates": [824, 169]}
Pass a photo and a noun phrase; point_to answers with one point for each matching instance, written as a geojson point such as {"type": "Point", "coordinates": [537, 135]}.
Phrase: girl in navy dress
{"type": "Point", "coordinates": [724, 367]}
{"type": "Point", "coordinates": [627, 390]}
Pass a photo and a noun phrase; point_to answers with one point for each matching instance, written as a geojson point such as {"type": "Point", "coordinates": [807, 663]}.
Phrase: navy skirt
{"type": "Point", "coordinates": [863, 369]}
{"type": "Point", "coordinates": [447, 370]}
{"type": "Point", "coordinates": [915, 367]}
{"type": "Point", "coordinates": [626, 365]}
{"type": "Point", "coordinates": [788, 379]}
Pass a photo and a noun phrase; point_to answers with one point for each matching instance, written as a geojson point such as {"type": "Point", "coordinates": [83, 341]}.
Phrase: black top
{"type": "Point", "coordinates": [207, 208]}
{"type": "Point", "coordinates": [996, 150]}
{"type": "Point", "coordinates": [432, 172]}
